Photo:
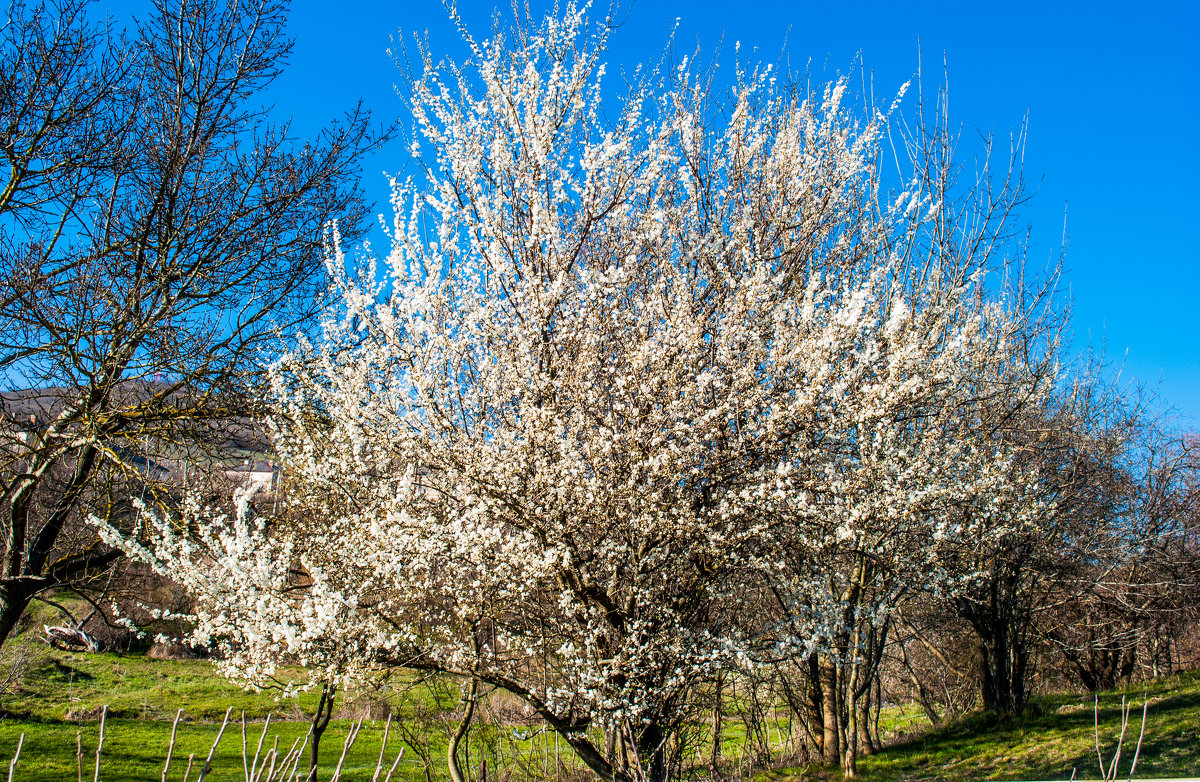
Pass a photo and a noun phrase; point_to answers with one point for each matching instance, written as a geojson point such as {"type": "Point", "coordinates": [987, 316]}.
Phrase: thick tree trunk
{"type": "Point", "coordinates": [26, 570]}
{"type": "Point", "coordinates": [866, 742]}
{"type": "Point", "coordinates": [320, 721]}
{"type": "Point", "coordinates": [1002, 665]}
{"type": "Point", "coordinates": [816, 705]}
{"type": "Point", "coordinates": [652, 751]}
{"type": "Point", "coordinates": [14, 599]}
{"type": "Point", "coordinates": [1103, 668]}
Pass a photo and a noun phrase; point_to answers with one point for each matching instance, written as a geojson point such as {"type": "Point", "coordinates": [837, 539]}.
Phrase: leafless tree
{"type": "Point", "coordinates": [1136, 594]}
{"type": "Point", "coordinates": [158, 228]}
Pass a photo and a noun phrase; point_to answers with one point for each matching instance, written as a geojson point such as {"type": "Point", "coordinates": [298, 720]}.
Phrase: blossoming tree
{"type": "Point", "coordinates": [627, 382]}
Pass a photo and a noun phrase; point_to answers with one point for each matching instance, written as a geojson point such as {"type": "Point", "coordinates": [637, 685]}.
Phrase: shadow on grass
{"type": "Point", "coordinates": [56, 671]}
{"type": "Point", "coordinates": [1055, 736]}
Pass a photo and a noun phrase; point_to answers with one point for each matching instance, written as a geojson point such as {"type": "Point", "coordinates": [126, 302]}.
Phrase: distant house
{"type": "Point", "coordinates": [234, 450]}
{"type": "Point", "coordinates": [259, 476]}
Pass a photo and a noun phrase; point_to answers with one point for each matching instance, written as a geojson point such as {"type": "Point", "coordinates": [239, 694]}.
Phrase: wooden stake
{"type": "Point", "coordinates": [171, 747]}
{"type": "Point", "coordinates": [254, 770]}
{"type": "Point", "coordinates": [13, 765]}
{"type": "Point", "coordinates": [350, 738]}
{"type": "Point", "coordinates": [100, 746]}
{"type": "Point", "coordinates": [379, 766]}
{"type": "Point", "coordinates": [392, 770]}
{"type": "Point", "coordinates": [213, 749]}
{"type": "Point", "coordinates": [245, 758]}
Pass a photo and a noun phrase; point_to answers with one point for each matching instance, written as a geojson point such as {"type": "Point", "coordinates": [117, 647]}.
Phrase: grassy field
{"type": "Point", "coordinates": [58, 699]}
{"type": "Point", "coordinates": [1055, 738]}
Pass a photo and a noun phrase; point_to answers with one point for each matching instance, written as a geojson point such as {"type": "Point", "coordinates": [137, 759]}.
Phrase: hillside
{"type": "Point", "coordinates": [1056, 737]}
{"type": "Point", "coordinates": [59, 695]}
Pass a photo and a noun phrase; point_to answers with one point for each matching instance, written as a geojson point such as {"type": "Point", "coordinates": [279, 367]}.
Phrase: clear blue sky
{"type": "Point", "coordinates": [1110, 90]}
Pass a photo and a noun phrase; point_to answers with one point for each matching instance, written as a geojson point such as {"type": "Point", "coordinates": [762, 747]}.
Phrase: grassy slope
{"type": "Point", "coordinates": [61, 693]}
{"type": "Point", "coordinates": [135, 750]}
{"type": "Point", "coordinates": [60, 684]}
{"type": "Point", "coordinates": [1054, 739]}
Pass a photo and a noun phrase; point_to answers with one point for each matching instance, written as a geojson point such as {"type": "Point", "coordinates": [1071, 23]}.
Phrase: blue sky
{"type": "Point", "coordinates": [1110, 91]}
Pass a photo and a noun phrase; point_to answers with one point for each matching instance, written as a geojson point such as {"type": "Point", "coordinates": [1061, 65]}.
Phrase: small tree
{"type": "Point", "coordinates": [1022, 580]}
{"type": "Point", "coordinates": [157, 231]}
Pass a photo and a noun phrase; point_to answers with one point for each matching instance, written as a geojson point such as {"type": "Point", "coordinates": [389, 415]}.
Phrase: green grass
{"type": "Point", "coordinates": [136, 749]}
{"type": "Point", "coordinates": [1055, 737]}
{"type": "Point", "coordinates": [60, 695]}
{"type": "Point", "coordinates": [64, 685]}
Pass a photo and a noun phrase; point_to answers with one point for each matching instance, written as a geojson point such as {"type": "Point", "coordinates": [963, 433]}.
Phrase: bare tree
{"type": "Point", "coordinates": [158, 229]}
{"type": "Point", "coordinates": [1136, 592]}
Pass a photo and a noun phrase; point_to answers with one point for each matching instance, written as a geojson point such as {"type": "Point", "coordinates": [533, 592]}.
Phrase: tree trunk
{"type": "Point", "coordinates": [652, 751]}
{"type": "Point", "coordinates": [26, 552]}
{"type": "Point", "coordinates": [464, 725]}
{"type": "Point", "coordinates": [717, 726]}
{"type": "Point", "coordinates": [14, 599]}
{"type": "Point", "coordinates": [854, 697]}
{"type": "Point", "coordinates": [866, 742]}
{"type": "Point", "coordinates": [850, 758]}
{"type": "Point", "coordinates": [1002, 664]}
{"type": "Point", "coordinates": [816, 705]}
{"type": "Point", "coordinates": [320, 721]}
{"type": "Point", "coordinates": [830, 722]}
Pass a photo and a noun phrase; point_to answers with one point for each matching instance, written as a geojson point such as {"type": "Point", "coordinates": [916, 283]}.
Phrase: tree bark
{"type": "Point", "coordinates": [815, 705]}
{"type": "Point", "coordinates": [320, 721]}
{"type": "Point", "coordinates": [464, 725]}
{"type": "Point", "coordinates": [14, 599]}
{"type": "Point", "coordinates": [717, 724]}
{"type": "Point", "coordinates": [830, 717]}
{"type": "Point", "coordinates": [1002, 664]}
{"type": "Point", "coordinates": [652, 748]}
